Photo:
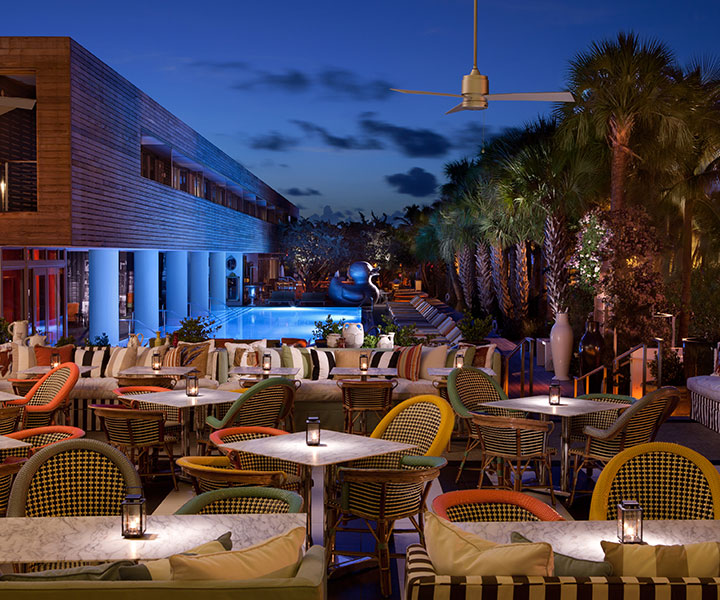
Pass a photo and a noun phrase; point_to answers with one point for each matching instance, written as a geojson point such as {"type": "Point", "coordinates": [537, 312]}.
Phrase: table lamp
{"type": "Point", "coordinates": [54, 360]}
{"type": "Point", "coordinates": [629, 522]}
{"type": "Point", "coordinates": [266, 362]}
{"type": "Point", "coordinates": [312, 431]}
{"type": "Point", "coordinates": [554, 396]}
{"type": "Point", "coordinates": [192, 386]}
{"type": "Point", "coordinates": [133, 516]}
{"type": "Point", "coordinates": [364, 362]}
{"type": "Point", "coordinates": [156, 361]}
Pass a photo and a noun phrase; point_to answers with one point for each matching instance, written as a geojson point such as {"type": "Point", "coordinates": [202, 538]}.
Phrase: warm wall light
{"type": "Point", "coordinates": [629, 522]}
{"type": "Point", "coordinates": [192, 386]}
{"type": "Point", "coordinates": [266, 362]}
{"type": "Point", "coordinates": [133, 516]}
{"type": "Point", "coordinates": [459, 360]}
{"type": "Point", "coordinates": [364, 362]}
{"type": "Point", "coordinates": [312, 431]}
{"type": "Point", "coordinates": [54, 360]}
{"type": "Point", "coordinates": [156, 361]}
{"type": "Point", "coordinates": [554, 394]}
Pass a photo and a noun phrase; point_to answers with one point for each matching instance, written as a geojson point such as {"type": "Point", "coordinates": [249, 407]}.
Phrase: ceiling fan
{"type": "Point", "coordinates": [475, 88]}
{"type": "Point", "coordinates": [8, 103]}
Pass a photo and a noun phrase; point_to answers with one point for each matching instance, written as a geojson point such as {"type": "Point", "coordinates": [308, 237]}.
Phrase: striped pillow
{"type": "Point", "coordinates": [384, 359]}
{"type": "Point", "coordinates": [320, 364]}
{"type": "Point", "coordinates": [23, 357]}
{"type": "Point", "coordinates": [292, 357]}
{"type": "Point", "coordinates": [408, 364]}
{"type": "Point", "coordinates": [120, 359]}
{"type": "Point", "coordinates": [144, 355]}
{"type": "Point", "coordinates": [691, 560]}
{"type": "Point", "coordinates": [91, 356]}
{"type": "Point", "coordinates": [172, 358]}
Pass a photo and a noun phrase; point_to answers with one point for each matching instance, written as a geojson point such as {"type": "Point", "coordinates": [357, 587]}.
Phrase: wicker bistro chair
{"type": "Point", "coordinates": [218, 472]}
{"type": "Point", "coordinates": [243, 500]}
{"type": "Point", "coordinates": [41, 437]}
{"type": "Point", "coordinates": [173, 426]}
{"type": "Point", "coordinates": [8, 469]}
{"type": "Point", "coordinates": [600, 420]}
{"type": "Point", "coordinates": [669, 481]}
{"type": "Point", "coordinates": [467, 389]}
{"type": "Point", "coordinates": [492, 505]}
{"type": "Point", "coordinates": [638, 424]}
{"type": "Point", "coordinates": [382, 489]}
{"type": "Point", "coordinates": [140, 435]}
{"type": "Point", "coordinates": [361, 397]}
{"type": "Point", "coordinates": [47, 396]}
{"type": "Point", "coordinates": [10, 416]}
{"type": "Point", "coordinates": [519, 444]}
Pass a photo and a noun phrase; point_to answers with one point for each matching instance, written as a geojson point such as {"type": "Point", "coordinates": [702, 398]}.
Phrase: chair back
{"type": "Point", "coordinates": [602, 419]}
{"type": "Point", "coordinates": [49, 394]}
{"type": "Point", "coordinates": [73, 478]}
{"type": "Point", "coordinates": [132, 427]}
{"type": "Point", "coordinates": [468, 388]}
{"type": "Point", "coordinates": [172, 413]}
{"type": "Point", "coordinates": [218, 472]}
{"type": "Point", "coordinates": [39, 437]}
{"type": "Point", "coordinates": [244, 500]}
{"type": "Point", "coordinates": [265, 404]}
{"type": "Point", "coordinates": [512, 436]}
{"type": "Point", "coordinates": [9, 417]}
{"type": "Point", "coordinates": [644, 417]}
{"type": "Point", "coordinates": [669, 481]}
{"type": "Point", "coordinates": [367, 395]}
{"type": "Point", "coordinates": [247, 461]}
{"type": "Point", "coordinates": [492, 505]}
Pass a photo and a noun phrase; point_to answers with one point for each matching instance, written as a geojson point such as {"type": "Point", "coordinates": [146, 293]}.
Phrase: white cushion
{"type": "Point", "coordinates": [120, 359]}
{"type": "Point", "coordinates": [23, 357]}
{"type": "Point", "coordinates": [705, 385]}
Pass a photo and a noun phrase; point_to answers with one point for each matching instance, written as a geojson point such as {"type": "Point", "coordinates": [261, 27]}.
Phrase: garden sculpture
{"type": "Point", "coordinates": [362, 291]}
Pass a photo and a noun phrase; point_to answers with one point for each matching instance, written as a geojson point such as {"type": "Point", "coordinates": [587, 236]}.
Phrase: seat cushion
{"type": "Point", "coordinates": [705, 385]}
{"type": "Point", "coordinates": [94, 388]}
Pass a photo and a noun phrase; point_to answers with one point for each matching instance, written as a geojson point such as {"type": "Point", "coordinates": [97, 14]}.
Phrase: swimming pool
{"type": "Point", "coordinates": [258, 322]}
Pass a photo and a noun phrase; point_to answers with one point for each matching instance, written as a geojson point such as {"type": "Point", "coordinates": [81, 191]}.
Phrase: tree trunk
{"type": "Point", "coordinates": [466, 274]}
{"type": "Point", "coordinates": [521, 282]}
{"type": "Point", "coordinates": [483, 271]}
{"type": "Point", "coordinates": [620, 138]}
{"type": "Point", "coordinates": [685, 296]}
{"type": "Point", "coordinates": [500, 280]}
{"type": "Point", "coordinates": [555, 250]}
{"type": "Point", "coordinates": [456, 289]}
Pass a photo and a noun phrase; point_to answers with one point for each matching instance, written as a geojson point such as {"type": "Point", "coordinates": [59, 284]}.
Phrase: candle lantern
{"type": "Point", "coordinates": [364, 362]}
{"type": "Point", "coordinates": [554, 394]}
{"type": "Point", "coordinates": [629, 522]}
{"type": "Point", "coordinates": [312, 431]}
{"type": "Point", "coordinates": [133, 516]}
{"type": "Point", "coordinates": [156, 361]}
{"type": "Point", "coordinates": [459, 360]}
{"type": "Point", "coordinates": [54, 360]}
{"type": "Point", "coordinates": [192, 386]}
{"type": "Point", "coordinates": [266, 362]}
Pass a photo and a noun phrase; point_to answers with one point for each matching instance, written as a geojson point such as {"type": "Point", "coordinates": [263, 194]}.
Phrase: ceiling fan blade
{"type": "Point", "coordinates": [534, 96]}
{"type": "Point", "coordinates": [455, 109]}
{"type": "Point", "coordinates": [26, 103]}
{"type": "Point", "coordinates": [425, 93]}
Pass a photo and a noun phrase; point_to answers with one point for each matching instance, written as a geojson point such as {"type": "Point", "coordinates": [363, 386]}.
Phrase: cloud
{"type": "Point", "coordinates": [416, 182]}
{"type": "Point", "coordinates": [293, 191]}
{"type": "Point", "coordinates": [341, 142]}
{"type": "Point", "coordinates": [291, 80]}
{"type": "Point", "coordinates": [346, 83]}
{"type": "Point", "coordinates": [328, 214]}
{"type": "Point", "coordinates": [274, 141]}
{"type": "Point", "coordinates": [229, 65]}
{"type": "Point", "coordinates": [415, 143]}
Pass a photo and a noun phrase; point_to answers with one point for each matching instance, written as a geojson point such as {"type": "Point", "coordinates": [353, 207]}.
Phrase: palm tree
{"type": "Point", "coordinates": [619, 86]}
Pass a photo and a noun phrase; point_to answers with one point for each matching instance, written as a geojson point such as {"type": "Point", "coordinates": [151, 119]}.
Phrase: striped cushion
{"type": "Point", "coordinates": [144, 355]}
{"type": "Point", "coordinates": [120, 359]}
{"type": "Point", "coordinates": [408, 364]}
{"type": "Point", "coordinates": [172, 358]}
{"type": "Point", "coordinates": [90, 356]}
{"type": "Point", "coordinates": [292, 357]}
{"type": "Point", "coordinates": [384, 359]}
{"type": "Point", "coordinates": [691, 560]}
{"type": "Point", "coordinates": [321, 363]}
{"type": "Point", "coordinates": [23, 357]}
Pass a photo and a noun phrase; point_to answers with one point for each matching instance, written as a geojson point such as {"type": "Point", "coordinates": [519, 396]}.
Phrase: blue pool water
{"type": "Point", "coordinates": [257, 322]}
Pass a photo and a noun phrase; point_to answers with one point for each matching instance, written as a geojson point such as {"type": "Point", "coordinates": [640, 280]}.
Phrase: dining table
{"type": "Point", "coordinates": [162, 371]}
{"type": "Point", "coordinates": [8, 397]}
{"type": "Point", "coordinates": [335, 447]}
{"type": "Point", "coordinates": [265, 373]}
{"type": "Point", "coordinates": [43, 369]}
{"type": "Point", "coordinates": [444, 372]}
{"type": "Point", "coordinates": [8, 443]}
{"type": "Point", "coordinates": [568, 408]}
{"type": "Point", "coordinates": [337, 372]}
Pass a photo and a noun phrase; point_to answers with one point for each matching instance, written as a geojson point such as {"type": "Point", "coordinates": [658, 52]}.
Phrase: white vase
{"type": "Point", "coordinates": [561, 343]}
{"type": "Point", "coordinates": [354, 335]}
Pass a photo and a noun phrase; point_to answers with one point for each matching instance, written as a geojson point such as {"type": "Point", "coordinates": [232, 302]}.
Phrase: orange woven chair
{"type": "Point", "coordinates": [40, 437]}
{"type": "Point", "coordinates": [492, 505]}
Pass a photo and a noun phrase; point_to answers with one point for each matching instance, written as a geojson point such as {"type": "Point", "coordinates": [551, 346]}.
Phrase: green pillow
{"type": "Point", "coordinates": [567, 566]}
{"type": "Point", "coordinates": [141, 572]}
{"type": "Point", "coordinates": [103, 572]}
{"type": "Point", "coordinates": [469, 352]}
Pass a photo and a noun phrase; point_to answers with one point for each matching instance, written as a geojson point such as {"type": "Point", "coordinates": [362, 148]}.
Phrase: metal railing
{"type": "Point", "coordinates": [616, 364]}
{"type": "Point", "coordinates": [586, 381]}
{"type": "Point", "coordinates": [529, 343]}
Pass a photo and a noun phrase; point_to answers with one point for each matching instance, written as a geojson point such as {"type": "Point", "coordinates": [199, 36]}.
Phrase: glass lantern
{"type": "Point", "coordinates": [192, 386]}
{"type": "Point", "coordinates": [266, 362]}
{"type": "Point", "coordinates": [629, 522]}
{"type": "Point", "coordinates": [459, 360]}
{"type": "Point", "coordinates": [156, 361]}
{"type": "Point", "coordinates": [133, 516]}
{"type": "Point", "coordinates": [54, 360]}
{"type": "Point", "coordinates": [312, 431]}
{"type": "Point", "coordinates": [364, 362]}
{"type": "Point", "coordinates": [554, 394]}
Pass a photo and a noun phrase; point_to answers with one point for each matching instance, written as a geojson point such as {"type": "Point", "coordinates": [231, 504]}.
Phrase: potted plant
{"type": "Point", "coordinates": [325, 328]}
{"type": "Point", "coordinates": [196, 329]}
{"type": "Point", "coordinates": [474, 329]}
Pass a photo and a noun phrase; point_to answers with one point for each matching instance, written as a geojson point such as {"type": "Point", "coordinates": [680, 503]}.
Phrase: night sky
{"type": "Point", "coordinates": [298, 91]}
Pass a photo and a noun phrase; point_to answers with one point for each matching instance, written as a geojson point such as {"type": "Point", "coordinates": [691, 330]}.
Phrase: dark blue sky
{"type": "Point", "coordinates": [298, 91]}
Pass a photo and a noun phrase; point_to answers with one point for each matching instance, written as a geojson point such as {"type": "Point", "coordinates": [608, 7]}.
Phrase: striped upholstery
{"type": "Point", "coordinates": [492, 505]}
{"type": "Point", "coordinates": [668, 480]}
{"type": "Point", "coordinates": [705, 410]}
{"type": "Point", "coordinates": [423, 583]}
{"type": "Point", "coordinates": [601, 420]}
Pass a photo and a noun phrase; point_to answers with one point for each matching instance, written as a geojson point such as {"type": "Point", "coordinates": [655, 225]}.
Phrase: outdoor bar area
{"type": "Point", "coordinates": [510, 393]}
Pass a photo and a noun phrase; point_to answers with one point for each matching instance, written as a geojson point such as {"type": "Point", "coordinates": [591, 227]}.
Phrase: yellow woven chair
{"type": "Point", "coordinates": [669, 481]}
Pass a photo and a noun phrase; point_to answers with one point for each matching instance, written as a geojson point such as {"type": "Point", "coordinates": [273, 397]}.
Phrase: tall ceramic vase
{"type": "Point", "coordinates": [561, 343]}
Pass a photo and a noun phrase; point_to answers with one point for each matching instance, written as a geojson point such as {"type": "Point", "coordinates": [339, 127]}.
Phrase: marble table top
{"type": "Point", "coordinates": [179, 399]}
{"type": "Point", "coordinates": [161, 371]}
{"type": "Point", "coordinates": [8, 397]}
{"type": "Point", "coordinates": [371, 372]}
{"type": "Point", "coordinates": [47, 539]}
{"type": "Point", "coordinates": [259, 371]}
{"type": "Point", "coordinates": [581, 539]}
{"type": "Point", "coordinates": [7, 442]}
{"type": "Point", "coordinates": [445, 371]}
{"type": "Point", "coordinates": [335, 447]}
{"type": "Point", "coordinates": [568, 407]}
{"type": "Point", "coordinates": [42, 369]}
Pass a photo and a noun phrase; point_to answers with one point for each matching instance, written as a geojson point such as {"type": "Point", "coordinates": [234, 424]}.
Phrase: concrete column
{"type": "Point", "coordinates": [104, 309]}
{"type": "Point", "coordinates": [147, 292]}
{"type": "Point", "coordinates": [217, 280]}
{"type": "Point", "coordinates": [176, 286]}
{"type": "Point", "coordinates": [199, 275]}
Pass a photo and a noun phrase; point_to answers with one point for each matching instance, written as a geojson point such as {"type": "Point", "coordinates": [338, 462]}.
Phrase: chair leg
{"type": "Point", "coordinates": [469, 447]}
{"type": "Point", "coordinates": [168, 449]}
{"type": "Point", "coordinates": [576, 473]}
{"type": "Point", "coordinates": [384, 531]}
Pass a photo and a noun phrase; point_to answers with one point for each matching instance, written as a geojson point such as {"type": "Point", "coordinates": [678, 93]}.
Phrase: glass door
{"type": "Point", "coordinates": [47, 301]}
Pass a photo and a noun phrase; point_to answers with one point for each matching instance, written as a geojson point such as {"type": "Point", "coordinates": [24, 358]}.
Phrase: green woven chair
{"type": "Point", "coordinates": [638, 424]}
{"type": "Point", "coordinates": [243, 500]}
{"type": "Point", "coordinates": [467, 389]}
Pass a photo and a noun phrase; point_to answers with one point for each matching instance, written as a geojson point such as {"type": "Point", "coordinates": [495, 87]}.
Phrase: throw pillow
{"type": "Point", "coordinates": [160, 569]}
{"type": "Point", "coordinates": [195, 355]}
{"type": "Point", "coordinates": [5, 363]}
{"type": "Point", "coordinates": [43, 354]}
{"type": "Point", "coordinates": [484, 356]}
{"type": "Point", "coordinates": [144, 355]}
{"type": "Point", "coordinates": [291, 357]}
{"type": "Point", "coordinates": [121, 359]}
{"type": "Point", "coordinates": [638, 560]}
{"type": "Point", "coordinates": [278, 557]}
{"type": "Point", "coordinates": [92, 356]}
{"type": "Point", "coordinates": [384, 359]}
{"type": "Point", "coordinates": [459, 553]}
{"type": "Point", "coordinates": [567, 566]}
{"type": "Point", "coordinates": [103, 572]}
{"type": "Point", "coordinates": [172, 358]}
{"type": "Point", "coordinates": [244, 355]}
{"type": "Point", "coordinates": [320, 363]}
{"type": "Point", "coordinates": [23, 357]}
{"type": "Point", "coordinates": [408, 365]}
{"type": "Point", "coordinates": [468, 353]}
{"type": "Point", "coordinates": [433, 357]}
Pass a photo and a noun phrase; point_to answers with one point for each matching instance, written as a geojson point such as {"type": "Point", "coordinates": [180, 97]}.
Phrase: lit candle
{"type": "Point", "coordinates": [459, 360]}
{"type": "Point", "coordinates": [629, 522]}
{"type": "Point", "coordinates": [133, 516]}
{"type": "Point", "coordinates": [364, 362]}
{"type": "Point", "coordinates": [54, 360]}
{"type": "Point", "coordinates": [554, 397]}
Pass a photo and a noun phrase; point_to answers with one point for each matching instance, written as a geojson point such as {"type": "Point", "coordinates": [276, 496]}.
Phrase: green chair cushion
{"type": "Point", "coordinates": [567, 566]}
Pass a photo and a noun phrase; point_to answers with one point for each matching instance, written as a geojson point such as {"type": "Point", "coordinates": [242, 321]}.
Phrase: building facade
{"type": "Point", "coordinates": [111, 207]}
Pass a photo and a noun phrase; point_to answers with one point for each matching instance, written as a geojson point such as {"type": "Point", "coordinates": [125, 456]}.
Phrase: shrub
{"type": "Point", "coordinates": [474, 329]}
{"type": "Point", "coordinates": [196, 329]}
{"type": "Point", "coordinates": [326, 327]}
{"type": "Point", "coordinates": [405, 335]}
{"type": "Point", "coordinates": [673, 371]}
{"type": "Point", "coordinates": [4, 333]}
